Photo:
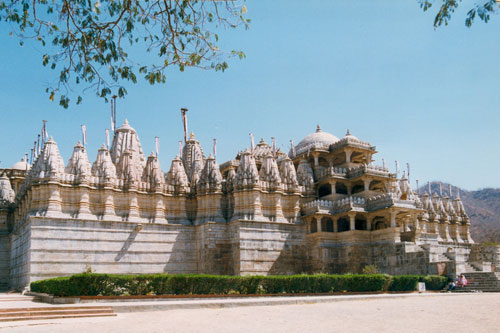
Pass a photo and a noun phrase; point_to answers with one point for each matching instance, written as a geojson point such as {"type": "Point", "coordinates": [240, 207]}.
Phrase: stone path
{"type": "Point", "coordinates": [429, 313]}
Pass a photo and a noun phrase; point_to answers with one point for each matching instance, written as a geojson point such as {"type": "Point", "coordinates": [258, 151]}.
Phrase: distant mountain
{"type": "Point", "coordinates": [483, 208]}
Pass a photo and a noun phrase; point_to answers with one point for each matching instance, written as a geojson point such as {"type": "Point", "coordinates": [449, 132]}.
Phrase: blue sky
{"type": "Point", "coordinates": [424, 96]}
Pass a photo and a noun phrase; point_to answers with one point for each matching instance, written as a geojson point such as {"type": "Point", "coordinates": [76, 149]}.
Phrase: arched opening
{"type": "Point", "coordinates": [326, 224]}
{"type": "Point", "coordinates": [323, 162]}
{"type": "Point", "coordinates": [379, 223]}
{"type": "Point", "coordinates": [324, 190]}
{"type": "Point", "coordinates": [377, 186]}
{"type": "Point", "coordinates": [357, 157]}
{"type": "Point", "coordinates": [343, 224]}
{"type": "Point", "coordinates": [314, 225]}
{"type": "Point", "coordinates": [357, 188]}
{"type": "Point", "coordinates": [360, 223]}
{"type": "Point", "coordinates": [340, 188]}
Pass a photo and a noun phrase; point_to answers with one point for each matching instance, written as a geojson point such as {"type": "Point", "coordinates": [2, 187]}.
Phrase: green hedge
{"type": "Point", "coordinates": [92, 284]}
{"type": "Point", "coordinates": [410, 282]}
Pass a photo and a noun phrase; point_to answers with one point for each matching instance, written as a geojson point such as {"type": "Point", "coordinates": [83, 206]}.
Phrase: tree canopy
{"type": "Point", "coordinates": [90, 42]}
{"type": "Point", "coordinates": [447, 9]}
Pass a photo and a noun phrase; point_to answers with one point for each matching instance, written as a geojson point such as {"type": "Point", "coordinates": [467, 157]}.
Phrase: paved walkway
{"type": "Point", "coordinates": [411, 313]}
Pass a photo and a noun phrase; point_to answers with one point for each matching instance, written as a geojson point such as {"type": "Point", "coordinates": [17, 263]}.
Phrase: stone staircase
{"type": "Point", "coordinates": [470, 269]}
{"type": "Point", "coordinates": [40, 313]}
{"type": "Point", "coordinates": [481, 281]}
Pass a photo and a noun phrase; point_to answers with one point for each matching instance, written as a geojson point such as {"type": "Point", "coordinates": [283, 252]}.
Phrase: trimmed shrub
{"type": "Point", "coordinates": [435, 282]}
{"type": "Point", "coordinates": [93, 284]}
{"type": "Point", "coordinates": [404, 283]}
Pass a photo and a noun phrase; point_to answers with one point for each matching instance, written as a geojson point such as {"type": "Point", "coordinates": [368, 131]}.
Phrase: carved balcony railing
{"type": "Point", "coordinates": [331, 172]}
{"type": "Point", "coordinates": [373, 170]}
{"type": "Point", "coordinates": [333, 207]}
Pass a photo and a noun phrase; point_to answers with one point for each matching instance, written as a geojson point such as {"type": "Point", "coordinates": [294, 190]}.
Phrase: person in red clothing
{"type": "Point", "coordinates": [462, 281]}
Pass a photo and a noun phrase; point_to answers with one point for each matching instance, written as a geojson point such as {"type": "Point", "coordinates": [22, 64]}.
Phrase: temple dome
{"type": "Point", "coordinates": [350, 136]}
{"type": "Point", "coordinates": [318, 139]}
{"type": "Point", "coordinates": [21, 165]}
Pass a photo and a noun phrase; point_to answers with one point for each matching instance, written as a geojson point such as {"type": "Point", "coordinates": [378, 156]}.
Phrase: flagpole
{"type": "Point", "coordinates": [113, 113]}
{"type": "Point", "coordinates": [157, 145]}
{"type": "Point", "coordinates": [84, 135]}
{"type": "Point", "coordinates": [252, 143]}
{"type": "Point", "coordinates": [107, 139]}
{"type": "Point", "coordinates": [274, 146]}
{"type": "Point", "coordinates": [215, 148]}
{"type": "Point", "coordinates": [184, 122]}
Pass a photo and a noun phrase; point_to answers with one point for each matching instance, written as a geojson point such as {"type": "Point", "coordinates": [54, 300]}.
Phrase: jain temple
{"type": "Point", "coordinates": [323, 207]}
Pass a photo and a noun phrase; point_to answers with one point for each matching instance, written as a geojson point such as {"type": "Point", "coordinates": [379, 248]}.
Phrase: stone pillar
{"type": "Point", "coordinates": [445, 229]}
{"type": "Point", "coordinates": [318, 223]}
{"type": "Point", "coordinates": [84, 207]}
{"type": "Point", "coordinates": [133, 207]}
{"type": "Point", "coordinates": [349, 188]}
{"type": "Point", "coordinates": [352, 221]}
{"type": "Point", "coordinates": [159, 213]}
{"type": "Point", "coordinates": [335, 224]}
{"type": "Point", "coordinates": [54, 201]}
{"type": "Point", "coordinates": [348, 154]}
{"type": "Point", "coordinates": [109, 205]}
{"type": "Point", "coordinates": [369, 223]}
{"type": "Point", "coordinates": [332, 186]}
{"type": "Point", "coordinates": [393, 218]}
{"type": "Point", "coordinates": [315, 154]}
{"type": "Point", "coordinates": [367, 184]}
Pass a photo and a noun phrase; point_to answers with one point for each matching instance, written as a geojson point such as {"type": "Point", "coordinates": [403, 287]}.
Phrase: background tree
{"type": "Point", "coordinates": [89, 42]}
{"type": "Point", "coordinates": [448, 7]}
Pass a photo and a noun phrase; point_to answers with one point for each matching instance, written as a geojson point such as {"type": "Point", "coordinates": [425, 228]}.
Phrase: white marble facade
{"type": "Point", "coordinates": [324, 206]}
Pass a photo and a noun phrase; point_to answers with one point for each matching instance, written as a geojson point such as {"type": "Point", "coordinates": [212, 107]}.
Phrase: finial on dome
{"type": "Point", "coordinates": [318, 129]}
{"type": "Point", "coordinates": [210, 157]}
{"type": "Point", "coordinates": [348, 133]}
{"type": "Point", "coordinates": [125, 122]}
{"type": "Point", "coordinates": [191, 136]}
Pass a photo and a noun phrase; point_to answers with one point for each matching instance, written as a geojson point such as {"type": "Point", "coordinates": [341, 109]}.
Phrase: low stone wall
{"type": "Point", "coordinates": [51, 247]}
{"type": "Point", "coordinates": [270, 248]}
{"type": "Point", "coordinates": [351, 251]}
{"type": "Point", "coordinates": [4, 260]}
{"type": "Point", "coordinates": [62, 247]}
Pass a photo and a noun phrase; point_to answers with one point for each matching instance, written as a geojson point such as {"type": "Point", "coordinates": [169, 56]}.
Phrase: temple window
{"type": "Point", "coordinates": [357, 188]}
{"type": "Point", "coordinates": [324, 190]}
{"type": "Point", "coordinates": [314, 225]}
{"type": "Point", "coordinates": [340, 188]}
{"type": "Point", "coordinates": [343, 224]}
{"type": "Point", "coordinates": [327, 224]}
{"type": "Point", "coordinates": [360, 223]}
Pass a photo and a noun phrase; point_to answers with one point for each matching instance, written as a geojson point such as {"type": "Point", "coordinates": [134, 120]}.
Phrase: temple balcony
{"type": "Point", "coordinates": [387, 200]}
{"type": "Point", "coordinates": [331, 172]}
{"type": "Point", "coordinates": [372, 170]}
{"type": "Point", "coordinates": [351, 203]}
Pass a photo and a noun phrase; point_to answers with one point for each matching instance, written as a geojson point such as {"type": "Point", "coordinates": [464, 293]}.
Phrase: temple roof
{"type": "Point", "coordinates": [21, 165]}
{"type": "Point", "coordinates": [318, 139]}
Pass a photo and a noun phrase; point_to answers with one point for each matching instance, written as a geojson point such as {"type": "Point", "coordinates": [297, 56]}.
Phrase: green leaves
{"type": "Point", "coordinates": [448, 7]}
{"type": "Point", "coordinates": [90, 41]}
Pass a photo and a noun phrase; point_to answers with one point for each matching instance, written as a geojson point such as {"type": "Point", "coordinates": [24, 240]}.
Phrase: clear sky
{"type": "Point", "coordinates": [424, 96]}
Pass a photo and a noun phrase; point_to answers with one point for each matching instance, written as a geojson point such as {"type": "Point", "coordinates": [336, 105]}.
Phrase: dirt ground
{"type": "Point", "coordinates": [451, 313]}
